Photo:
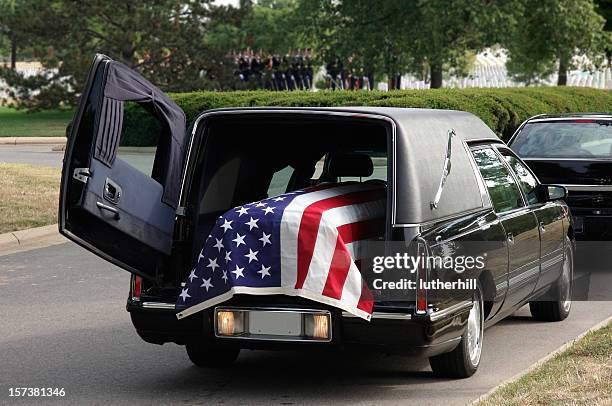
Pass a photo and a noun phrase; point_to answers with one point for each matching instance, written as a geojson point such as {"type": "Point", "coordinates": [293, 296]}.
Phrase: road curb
{"type": "Point", "coordinates": [30, 238]}
{"type": "Point", "coordinates": [542, 360]}
{"type": "Point", "coordinates": [32, 140]}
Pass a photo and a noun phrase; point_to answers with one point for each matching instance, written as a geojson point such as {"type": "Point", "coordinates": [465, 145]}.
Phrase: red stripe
{"type": "Point", "coordinates": [366, 301]}
{"type": "Point", "coordinates": [338, 271]}
{"type": "Point", "coordinates": [341, 260]}
{"type": "Point", "coordinates": [311, 218]}
{"type": "Point", "coordinates": [362, 230]}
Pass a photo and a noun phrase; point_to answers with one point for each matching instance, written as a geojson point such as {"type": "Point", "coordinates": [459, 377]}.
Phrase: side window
{"type": "Point", "coordinates": [527, 181]}
{"type": "Point", "coordinates": [504, 192]}
{"type": "Point", "coordinates": [280, 180]}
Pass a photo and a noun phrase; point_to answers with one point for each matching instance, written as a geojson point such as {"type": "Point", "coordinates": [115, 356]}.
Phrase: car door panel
{"type": "Point", "coordinates": [106, 205]}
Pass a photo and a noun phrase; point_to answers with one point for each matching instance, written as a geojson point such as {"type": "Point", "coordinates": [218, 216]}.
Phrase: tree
{"type": "Point", "coordinates": [166, 40]}
{"type": "Point", "coordinates": [552, 33]}
{"type": "Point", "coordinates": [396, 36]}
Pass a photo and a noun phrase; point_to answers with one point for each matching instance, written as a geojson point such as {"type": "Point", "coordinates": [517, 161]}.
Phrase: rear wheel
{"type": "Point", "coordinates": [207, 355]}
{"type": "Point", "coordinates": [463, 361]}
{"type": "Point", "coordinates": [559, 302]}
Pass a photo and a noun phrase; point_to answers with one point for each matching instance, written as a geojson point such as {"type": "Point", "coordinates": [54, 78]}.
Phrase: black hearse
{"type": "Point", "coordinates": [449, 180]}
{"type": "Point", "coordinates": [574, 150]}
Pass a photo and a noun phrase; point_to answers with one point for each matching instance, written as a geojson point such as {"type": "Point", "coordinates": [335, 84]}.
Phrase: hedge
{"type": "Point", "coordinates": [502, 109]}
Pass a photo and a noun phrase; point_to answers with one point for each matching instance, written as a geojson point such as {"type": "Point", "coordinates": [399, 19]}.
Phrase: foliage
{"type": "Point", "coordinates": [551, 34]}
{"type": "Point", "coordinates": [425, 37]}
{"type": "Point", "coordinates": [502, 109]}
{"type": "Point", "coordinates": [166, 40]}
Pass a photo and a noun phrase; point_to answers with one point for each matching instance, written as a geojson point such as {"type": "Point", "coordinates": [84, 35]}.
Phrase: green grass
{"type": "Point", "coordinates": [28, 196]}
{"type": "Point", "coordinates": [19, 123]}
{"type": "Point", "coordinates": [580, 375]}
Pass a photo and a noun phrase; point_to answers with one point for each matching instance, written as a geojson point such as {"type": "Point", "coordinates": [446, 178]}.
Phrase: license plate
{"type": "Point", "coordinates": [275, 323]}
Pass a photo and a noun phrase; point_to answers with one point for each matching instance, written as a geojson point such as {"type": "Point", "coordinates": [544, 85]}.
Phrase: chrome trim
{"type": "Point", "coordinates": [484, 194]}
{"type": "Point", "coordinates": [311, 111]}
{"type": "Point", "coordinates": [383, 315]}
{"type": "Point", "coordinates": [446, 169]}
{"type": "Point", "coordinates": [585, 188]}
{"type": "Point", "coordinates": [523, 276]}
{"type": "Point", "coordinates": [429, 223]}
{"type": "Point", "coordinates": [602, 116]}
{"type": "Point", "coordinates": [159, 305]}
{"type": "Point", "coordinates": [273, 310]}
{"type": "Point", "coordinates": [451, 310]}
{"type": "Point", "coordinates": [594, 159]}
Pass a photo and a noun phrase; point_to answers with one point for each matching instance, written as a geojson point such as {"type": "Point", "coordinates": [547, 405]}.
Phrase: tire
{"type": "Point", "coordinates": [463, 361]}
{"type": "Point", "coordinates": [206, 355]}
{"type": "Point", "coordinates": [559, 302]}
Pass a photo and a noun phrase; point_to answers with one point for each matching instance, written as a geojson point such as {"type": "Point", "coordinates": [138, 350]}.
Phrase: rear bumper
{"type": "Point", "coordinates": [592, 224]}
{"type": "Point", "coordinates": [389, 331]}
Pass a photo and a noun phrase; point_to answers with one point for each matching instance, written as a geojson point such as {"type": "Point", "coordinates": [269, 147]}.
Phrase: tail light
{"type": "Point", "coordinates": [136, 288]}
{"type": "Point", "coordinates": [421, 292]}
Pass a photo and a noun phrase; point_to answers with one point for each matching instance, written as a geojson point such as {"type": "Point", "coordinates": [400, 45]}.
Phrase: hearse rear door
{"type": "Point", "coordinates": [107, 205]}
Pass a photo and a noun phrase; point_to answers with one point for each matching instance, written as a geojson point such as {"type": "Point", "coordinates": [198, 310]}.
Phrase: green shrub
{"type": "Point", "coordinates": [501, 109]}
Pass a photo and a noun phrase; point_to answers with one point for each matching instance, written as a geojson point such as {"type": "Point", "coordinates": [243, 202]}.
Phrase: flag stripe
{"type": "Point", "coordinates": [311, 220]}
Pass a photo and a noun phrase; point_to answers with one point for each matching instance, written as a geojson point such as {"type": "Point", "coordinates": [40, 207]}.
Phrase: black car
{"type": "Point", "coordinates": [574, 150]}
{"type": "Point", "coordinates": [452, 189]}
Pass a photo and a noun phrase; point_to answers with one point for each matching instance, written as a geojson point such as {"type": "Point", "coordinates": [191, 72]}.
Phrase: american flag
{"type": "Point", "coordinates": [304, 243]}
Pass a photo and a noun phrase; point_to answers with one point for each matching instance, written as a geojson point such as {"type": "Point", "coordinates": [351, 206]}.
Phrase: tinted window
{"type": "Point", "coordinates": [574, 139]}
{"type": "Point", "coordinates": [527, 181]}
{"type": "Point", "coordinates": [503, 190]}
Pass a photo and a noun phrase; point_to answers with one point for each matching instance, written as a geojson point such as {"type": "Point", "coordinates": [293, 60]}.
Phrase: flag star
{"type": "Point", "coordinates": [252, 256]}
{"type": "Point", "coordinates": [227, 225]}
{"type": "Point", "coordinates": [201, 255]}
{"type": "Point", "coordinates": [265, 239]}
{"type": "Point", "coordinates": [264, 271]}
{"type": "Point", "coordinates": [238, 272]}
{"type": "Point", "coordinates": [269, 209]}
{"type": "Point", "coordinates": [252, 223]}
{"type": "Point", "coordinates": [242, 210]}
{"type": "Point", "coordinates": [227, 256]}
{"type": "Point", "coordinates": [224, 277]}
{"type": "Point", "coordinates": [278, 199]}
{"type": "Point", "coordinates": [206, 284]}
{"type": "Point", "coordinates": [219, 244]}
{"type": "Point", "coordinates": [184, 294]}
{"type": "Point", "coordinates": [239, 239]}
{"type": "Point", "coordinates": [192, 275]}
{"type": "Point", "coordinates": [260, 204]}
{"type": "Point", "coordinates": [212, 263]}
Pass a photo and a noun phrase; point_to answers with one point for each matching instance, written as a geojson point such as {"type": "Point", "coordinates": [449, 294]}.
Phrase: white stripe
{"type": "Point", "coordinates": [327, 236]}
{"type": "Point", "coordinates": [290, 226]}
{"type": "Point", "coordinates": [351, 292]}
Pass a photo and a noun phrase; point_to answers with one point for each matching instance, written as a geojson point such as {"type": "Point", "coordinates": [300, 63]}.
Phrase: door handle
{"type": "Point", "coordinates": [510, 238]}
{"type": "Point", "coordinates": [542, 228]}
{"type": "Point", "coordinates": [115, 212]}
{"type": "Point", "coordinates": [112, 191]}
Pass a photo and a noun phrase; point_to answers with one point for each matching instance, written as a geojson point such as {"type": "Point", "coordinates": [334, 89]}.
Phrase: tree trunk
{"type": "Point", "coordinates": [13, 54]}
{"type": "Point", "coordinates": [436, 76]}
{"type": "Point", "coordinates": [562, 79]}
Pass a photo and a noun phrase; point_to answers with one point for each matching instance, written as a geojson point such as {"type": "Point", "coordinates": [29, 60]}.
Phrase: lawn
{"type": "Point", "coordinates": [580, 375]}
{"type": "Point", "coordinates": [19, 123]}
{"type": "Point", "coordinates": [28, 196]}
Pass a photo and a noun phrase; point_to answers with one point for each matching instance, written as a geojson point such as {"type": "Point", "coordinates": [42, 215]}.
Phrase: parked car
{"type": "Point", "coordinates": [574, 150]}
{"type": "Point", "coordinates": [450, 183]}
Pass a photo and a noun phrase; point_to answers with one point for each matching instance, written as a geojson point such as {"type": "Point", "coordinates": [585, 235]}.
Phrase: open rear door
{"type": "Point", "coordinates": [106, 205]}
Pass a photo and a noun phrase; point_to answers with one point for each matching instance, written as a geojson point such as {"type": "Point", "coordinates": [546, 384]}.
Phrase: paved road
{"type": "Point", "coordinates": [63, 324]}
{"type": "Point", "coordinates": [45, 156]}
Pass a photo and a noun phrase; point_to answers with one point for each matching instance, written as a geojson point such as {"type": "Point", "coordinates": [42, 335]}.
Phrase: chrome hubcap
{"type": "Point", "coordinates": [474, 333]}
{"type": "Point", "coordinates": [566, 294]}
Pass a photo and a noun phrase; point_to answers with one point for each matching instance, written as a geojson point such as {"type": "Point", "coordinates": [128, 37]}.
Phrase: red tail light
{"type": "Point", "coordinates": [421, 293]}
{"type": "Point", "coordinates": [136, 287]}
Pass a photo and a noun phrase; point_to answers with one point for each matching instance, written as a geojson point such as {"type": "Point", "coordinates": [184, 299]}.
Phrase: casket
{"type": "Point", "coordinates": [305, 243]}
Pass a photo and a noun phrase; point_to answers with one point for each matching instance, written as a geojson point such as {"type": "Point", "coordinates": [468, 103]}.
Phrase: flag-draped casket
{"type": "Point", "coordinates": [304, 243]}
